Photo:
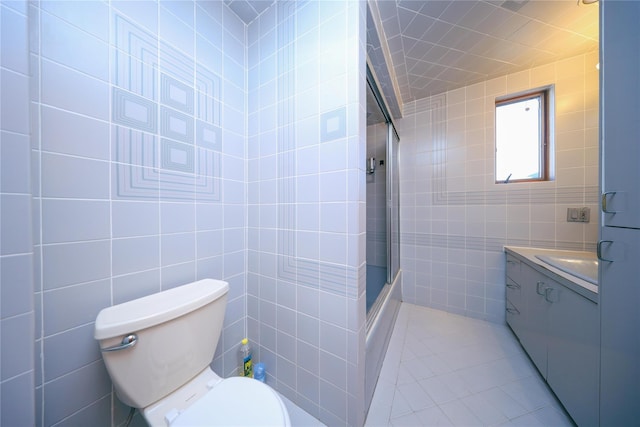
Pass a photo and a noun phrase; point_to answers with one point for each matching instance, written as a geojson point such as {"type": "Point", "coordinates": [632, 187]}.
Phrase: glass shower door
{"type": "Point", "coordinates": [383, 240]}
{"type": "Point", "coordinates": [377, 248]}
{"type": "Point", "coordinates": [393, 207]}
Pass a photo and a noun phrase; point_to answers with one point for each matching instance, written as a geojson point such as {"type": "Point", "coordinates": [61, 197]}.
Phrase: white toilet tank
{"type": "Point", "coordinates": [176, 333]}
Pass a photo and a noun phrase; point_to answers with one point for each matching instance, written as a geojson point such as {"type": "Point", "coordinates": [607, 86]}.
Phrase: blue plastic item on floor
{"type": "Point", "coordinates": [258, 372]}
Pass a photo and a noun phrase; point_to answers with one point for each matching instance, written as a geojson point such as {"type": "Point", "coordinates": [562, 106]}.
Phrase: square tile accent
{"type": "Point", "coordinates": [134, 111]}
{"type": "Point", "coordinates": [176, 94]}
{"type": "Point", "coordinates": [333, 125]}
{"type": "Point", "coordinates": [176, 125]}
{"type": "Point", "coordinates": [176, 156]}
{"type": "Point", "coordinates": [140, 157]}
{"type": "Point", "coordinates": [208, 136]}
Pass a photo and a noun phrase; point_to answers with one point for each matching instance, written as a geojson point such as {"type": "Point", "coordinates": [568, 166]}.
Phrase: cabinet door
{"type": "Point", "coordinates": [620, 327]}
{"type": "Point", "coordinates": [620, 107]}
{"type": "Point", "coordinates": [535, 323]}
{"type": "Point", "coordinates": [573, 352]}
{"type": "Point", "coordinates": [513, 268]}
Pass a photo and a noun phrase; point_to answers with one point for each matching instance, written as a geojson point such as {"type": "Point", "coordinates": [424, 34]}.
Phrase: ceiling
{"type": "Point", "coordinates": [248, 10]}
{"type": "Point", "coordinates": [438, 45]}
{"type": "Point", "coordinates": [421, 48]}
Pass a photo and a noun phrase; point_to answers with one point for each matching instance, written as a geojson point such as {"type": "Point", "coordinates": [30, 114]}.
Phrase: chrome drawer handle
{"type": "Point", "coordinates": [127, 342]}
{"type": "Point", "coordinates": [550, 296]}
{"type": "Point", "coordinates": [603, 201]}
{"type": "Point", "coordinates": [512, 310]}
{"type": "Point", "coordinates": [541, 292]}
{"type": "Point", "coordinates": [599, 250]}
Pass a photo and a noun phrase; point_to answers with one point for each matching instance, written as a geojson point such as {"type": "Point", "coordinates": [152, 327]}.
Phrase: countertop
{"type": "Point", "coordinates": [580, 286]}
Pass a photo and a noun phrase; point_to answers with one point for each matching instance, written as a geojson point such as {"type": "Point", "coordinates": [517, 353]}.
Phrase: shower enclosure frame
{"type": "Point", "coordinates": [381, 317]}
{"type": "Point", "coordinates": [391, 197]}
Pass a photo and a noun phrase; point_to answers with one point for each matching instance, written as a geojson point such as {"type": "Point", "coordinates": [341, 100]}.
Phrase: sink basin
{"type": "Point", "coordinates": [583, 268]}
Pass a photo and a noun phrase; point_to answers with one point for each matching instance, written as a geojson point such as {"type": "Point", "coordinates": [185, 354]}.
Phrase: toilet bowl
{"type": "Point", "coordinates": [157, 350]}
{"type": "Point", "coordinates": [209, 400]}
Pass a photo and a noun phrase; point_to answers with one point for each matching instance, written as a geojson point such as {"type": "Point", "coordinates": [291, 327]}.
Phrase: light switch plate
{"type": "Point", "coordinates": [578, 214]}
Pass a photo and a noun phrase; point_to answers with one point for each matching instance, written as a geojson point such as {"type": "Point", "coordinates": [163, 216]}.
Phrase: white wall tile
{"type": "Point", "coordinates": [73, 47]}
{"type": "Point", "coordinates": [15, 152]}
{"type": "Point", "coordinates": [92, 17]}
{"type": "Point", "coordinates": [68, 89]}
{"type": "Point", "coordinates": [90, 261]}
{"type": "Point", "coordinates": [460, 174]}
{"type": "Point", "coordinates": [14, 106]}
{"type": "Point", "coordinates": [13, 41]}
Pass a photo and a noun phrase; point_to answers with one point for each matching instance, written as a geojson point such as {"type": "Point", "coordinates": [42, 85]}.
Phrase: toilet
{"type": "Point", "coordinates": [157, 350]}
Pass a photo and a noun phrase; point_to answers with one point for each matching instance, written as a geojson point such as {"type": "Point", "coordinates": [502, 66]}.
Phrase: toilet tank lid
{"type": "Point", "coordinates": [151, 310]}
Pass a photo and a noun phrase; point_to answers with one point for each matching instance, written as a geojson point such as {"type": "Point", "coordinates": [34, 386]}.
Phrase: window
{"type": "Point", "coordinates": [522, 137]}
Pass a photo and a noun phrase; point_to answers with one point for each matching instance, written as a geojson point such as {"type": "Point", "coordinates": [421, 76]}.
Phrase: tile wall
{"type": "Point", "coordinates": [17, 315]}
{"type": "Point", "coordinates": [170, 142]}
{"type": "Point", "coordinates": [306, 203]}
{"type": "Point", "coordinates": [139, 143]}
{"type": "Point", "coordinates": [455, 220]}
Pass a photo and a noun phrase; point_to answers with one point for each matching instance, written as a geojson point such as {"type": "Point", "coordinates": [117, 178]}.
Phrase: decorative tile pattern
{"type": "Point", "coordinates": [208, 136]}
{"type": "Point", "coordinates": [208, 107]}
{"type": "Point", "coordinates": [176, 156]}
{"type": "Point", "coordinates": [134, 111]}
{"type": "Point", "coordinates": [176, 94]}
{"type": "Point", "coordinates": [176, 125]}
{"type": "Point", "coordinates": [138, 175]}
{"type": "Point", "coordinates": [333, 125]}
{"type": "Point", "coordinates": [294, 245]}
{"type": "Point", "coordinates": [135, 64]}
{"type": "Point", "coordinates": [176, 64]}
{"type": "Point", "coordinates": [173, 194]}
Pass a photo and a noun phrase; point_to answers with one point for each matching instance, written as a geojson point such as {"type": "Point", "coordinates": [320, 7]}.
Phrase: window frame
{"type": "Point", "coordinates": [545, 141]}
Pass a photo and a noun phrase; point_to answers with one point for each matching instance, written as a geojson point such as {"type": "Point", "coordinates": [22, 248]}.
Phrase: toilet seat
{"type": "Point", "coordinates": [236, 401]}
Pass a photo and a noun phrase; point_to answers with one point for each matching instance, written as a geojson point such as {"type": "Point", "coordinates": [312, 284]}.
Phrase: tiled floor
{"type": "Point", "coordinates": [444, 369]}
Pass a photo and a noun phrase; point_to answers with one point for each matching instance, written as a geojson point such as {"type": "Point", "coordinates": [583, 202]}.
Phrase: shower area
{"type": "Point", "coordinates": [383, 252]}
{"type": "Point", "coordinates": [383, 273]}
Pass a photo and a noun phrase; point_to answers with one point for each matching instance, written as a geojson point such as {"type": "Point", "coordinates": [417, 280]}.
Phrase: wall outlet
{"type": "Point", "coordinates": [578, 214]}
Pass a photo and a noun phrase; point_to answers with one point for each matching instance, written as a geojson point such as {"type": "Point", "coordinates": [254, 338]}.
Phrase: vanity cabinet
{"type": "Point", "coordinates": [620, 110]}
{"type": "Point", "coordinates": [620, 327]}
{"type": "Point", "coordinates": [619, 246]}
{"type": "Point", "coordinates": [573, 353]}
{"type": "Point", "coordinates": [515, 309]}
{"type": "Point", "coordinates": [558, 328]}
{"type": "Point", "coordinates": [524, 309]}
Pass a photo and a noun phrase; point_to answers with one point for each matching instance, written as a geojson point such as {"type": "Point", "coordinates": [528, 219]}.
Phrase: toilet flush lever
{"type": "Point", "coordinates": [128, 341]}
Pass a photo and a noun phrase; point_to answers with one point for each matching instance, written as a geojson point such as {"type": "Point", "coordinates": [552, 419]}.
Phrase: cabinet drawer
{"type": "Point", "coordinates": [514, 318]}
{"type": "Point", "coordinates": [513, 268]}
{"type": "Point", "coordinates": [512, 309]}
{"type": "Point", "coordinates": [514, 293]}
